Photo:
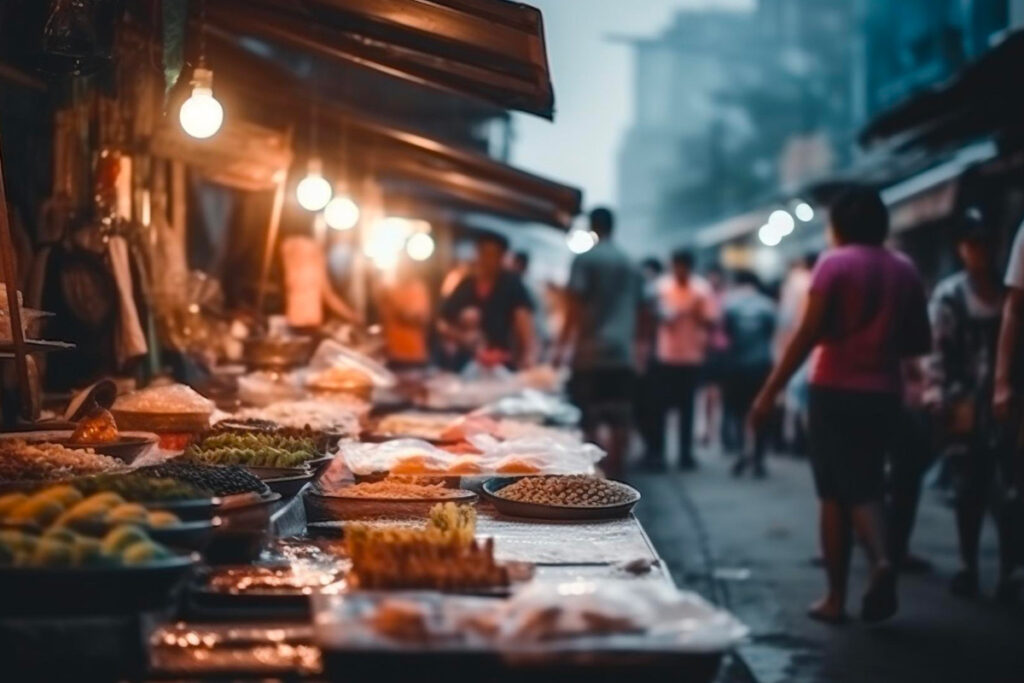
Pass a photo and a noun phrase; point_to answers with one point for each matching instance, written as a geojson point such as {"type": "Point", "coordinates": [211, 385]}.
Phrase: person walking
{"type": "Point", "coordinates": [604, 297]}
{"type": "Point", "coordinates": [966, 309]}
{"type": "Point", "coordinates": [685, 312]}
{"type": "Point", "coordinates": [403, 302]}
{"type": "Point", "coordinates": [645, 403]}
{"type": "Point", "coordinates": [748, 321]}
{"type": "Point", "coordinates": [866, 314]}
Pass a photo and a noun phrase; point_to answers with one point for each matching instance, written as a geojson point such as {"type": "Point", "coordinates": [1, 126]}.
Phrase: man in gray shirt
{"type": "Point", "coordinates": [604, 301]}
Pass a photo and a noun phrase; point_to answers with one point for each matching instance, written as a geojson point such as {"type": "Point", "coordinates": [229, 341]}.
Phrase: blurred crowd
{"type": "Point", "coordinates": [849, 361]}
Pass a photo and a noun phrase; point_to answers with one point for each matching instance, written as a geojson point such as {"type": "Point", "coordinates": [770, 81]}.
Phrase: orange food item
{"type": "Point", "coordinates": [462, 448]}
{"type": "Point", "coordinates": [514, 466]}
{"type": "Point", "coordinates": [465, 465]}
{"type": "Point", "coordinates": [99, 427]}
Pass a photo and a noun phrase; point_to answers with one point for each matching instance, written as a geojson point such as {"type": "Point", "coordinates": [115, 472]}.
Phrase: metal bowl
{"type": "Point", "coordinates": [515, 508]}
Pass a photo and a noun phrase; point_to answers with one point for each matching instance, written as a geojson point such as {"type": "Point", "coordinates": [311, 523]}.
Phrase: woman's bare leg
{"type": "Point", "coordinates": [835, 546]}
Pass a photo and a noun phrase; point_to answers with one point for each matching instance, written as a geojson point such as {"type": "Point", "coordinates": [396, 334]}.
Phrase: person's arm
{"type": "Point", "coordinates": [1009, 347]}
{"type": "Point", "coordinates": [807, 335]}
{"type": "Point", "coordinates": [526, 334]}
{"type": "Point", "coordinates": [338, 306]}
{"type": "Point", "coordinates": [450, 308]}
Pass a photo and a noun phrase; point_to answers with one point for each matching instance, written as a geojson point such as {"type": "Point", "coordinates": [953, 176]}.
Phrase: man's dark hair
{"type": "Point", "coordinates": [743, 276]}
{"type": "Point", "coordinates": [602, 221]}
{"type": "Point", "coordinates": [973, 228]}
{"type": "Point", "coordinates": [488, 237]}
{"type": "Point", "coordinates": [809, 259]}
{"type": "Point", "coordinates": [522, 259]}
{"type": "Point", "coordinates": [859, 216]}
{"type": "Point", "coordinates": [682, 257]}
{"type": "Point", "coordinates": [652, 264]}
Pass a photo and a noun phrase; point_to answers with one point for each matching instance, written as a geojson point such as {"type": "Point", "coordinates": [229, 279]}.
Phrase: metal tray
{"type": "Point", "coordinates": [290, 486]}
{"type": "Point", "coordinates": [515, 508]}
{"type": "Point", "coordinates": [322, 506]}
{"type": "Point", "coordinates": [52, 591]}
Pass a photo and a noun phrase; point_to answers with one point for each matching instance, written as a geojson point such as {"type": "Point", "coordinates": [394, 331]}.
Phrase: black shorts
{"type": "Point", "coordinates": [604, 395]}
{"type": "Point", "coordinates": [850, 432]}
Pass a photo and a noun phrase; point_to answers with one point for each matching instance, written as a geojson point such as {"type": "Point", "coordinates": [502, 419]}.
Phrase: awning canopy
{"type": "Point", "coordinates": [984, 99]}
{"type": "Point", "coordinates": [485, 49]}
{"type": "Point", "coordinates": [424, 167]}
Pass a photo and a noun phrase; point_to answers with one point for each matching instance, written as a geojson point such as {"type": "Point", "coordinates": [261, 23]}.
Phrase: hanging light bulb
{"type": "Point", "coordinates": [341, 213]}
{"type": "Point", "coordinates": [313, 192]}
{"type": "Point", "coordinates": [201, 114]}
{"type": "Point", "coordinates": [581, 241]}
{"type": "Point", "coordinates": [420, 246]}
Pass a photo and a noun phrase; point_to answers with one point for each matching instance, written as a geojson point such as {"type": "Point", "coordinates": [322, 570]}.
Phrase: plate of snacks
{"type": "Point", "coordinates": [66, 506]}
{"type": "Point", "coordinates": [56, 570]}
{"type": "Point", "coordinates": [125, 446]}
{"type": "Point", "coordinates": [23, 460]}
{"type": "Point", "coordinates": [561, 497]}
{"type": "Point", "coordinates": [443, 555]}
{"type": "Point", "coordinates": [393, 497]}
{"type": "Point", "coordinates": [267, 455]}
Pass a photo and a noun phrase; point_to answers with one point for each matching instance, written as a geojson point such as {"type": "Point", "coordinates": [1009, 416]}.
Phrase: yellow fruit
{"type": "Point", "coordinates": [11, 501]}
{"type": "Point", "coordinates": [83, 515]}
{"type": "Point", "coordinates": [52, 553]}
{"type": "Point", "coordinates": [161, 518]}
{"type": "Point", "coordinates": [36, 511]}
{"type": "Point", "coordinates": [141, 553]}
{"type": "Point", "coordinates": [107, 499]}
{"type": "Point", "coordinates": [121, 537]}
{"type": "Point", "coordinates": [63, 494]}
{"type": "Point", "coordinates": [128, 512]}
{"type": "Point", "coordinates": [60, 534]}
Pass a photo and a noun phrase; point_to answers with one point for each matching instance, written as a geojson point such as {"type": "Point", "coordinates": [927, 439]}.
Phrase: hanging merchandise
{"type": "Point", "coordinates": [69, 36]}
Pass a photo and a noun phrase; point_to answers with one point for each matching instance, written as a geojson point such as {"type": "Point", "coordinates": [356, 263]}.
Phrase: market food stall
{"type": "Point", "coordinates": [298, 510]}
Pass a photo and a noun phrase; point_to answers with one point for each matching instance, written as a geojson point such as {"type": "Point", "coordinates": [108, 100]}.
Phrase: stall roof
{"type": "Point", "coordinates": [985, 98]}
{"type": "Point", "coordinates": [443, 171]}
{"type": "Point", "coordinates": [485, 49]}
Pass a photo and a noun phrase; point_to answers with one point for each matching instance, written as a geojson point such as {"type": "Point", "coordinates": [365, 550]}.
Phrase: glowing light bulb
{"type": "Point", "coordinates": [581, 241]}
{"type": "Point", "coordinates": [313, 191]}
{"type": "Point", "coordinates": [386, 240]}
{"type": "Point", "coordinates": [804, 211]}
{"type": "Point", "coordinates": [420, 246]}
{"type": "Point", "coordinates": [201, 115]}
{"type": "Point", "coordinates": [769, 235]}
{"type": "Point", "coordinates": [782, 222]}
{"type": "Point", "coordinates": [341, 213]}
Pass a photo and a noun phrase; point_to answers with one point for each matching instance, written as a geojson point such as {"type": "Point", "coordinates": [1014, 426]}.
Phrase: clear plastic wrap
{"type": "Point", "coordinates": [516, 457]}
{"type": "Point", "coordinates": [332, 359]}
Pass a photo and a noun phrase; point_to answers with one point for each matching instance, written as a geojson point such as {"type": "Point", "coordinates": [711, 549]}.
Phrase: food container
{"type": "Point", "coordinates": [277, 353]}
{"type": "Point", "coordinates": [58, 591]}
{"type": "Point", "coordinates": [324, 506]}
{"type": "Point", "coordinates": [515, 508]}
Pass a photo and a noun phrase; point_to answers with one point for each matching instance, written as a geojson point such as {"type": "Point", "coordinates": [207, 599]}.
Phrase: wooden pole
{"type": "Point", "coordinates": [10, 275]}
{"type": "Point", "coordinates": [268, 248]}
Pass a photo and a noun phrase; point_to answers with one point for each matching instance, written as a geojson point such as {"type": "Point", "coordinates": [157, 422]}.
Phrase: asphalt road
{"type": "Point", "coordinates": [749, 545]}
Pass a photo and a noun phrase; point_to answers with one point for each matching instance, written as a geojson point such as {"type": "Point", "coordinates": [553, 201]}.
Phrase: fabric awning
{"type": "Point", "coordinates": [485, 49]}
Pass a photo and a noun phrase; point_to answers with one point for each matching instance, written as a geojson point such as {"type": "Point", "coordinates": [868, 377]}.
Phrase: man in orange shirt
{"type": "Point", "coordinates": [404, 306]}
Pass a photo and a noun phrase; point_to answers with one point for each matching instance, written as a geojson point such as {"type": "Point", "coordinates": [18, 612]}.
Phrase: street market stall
{"type": "Point", "coordinates": [241, 496]}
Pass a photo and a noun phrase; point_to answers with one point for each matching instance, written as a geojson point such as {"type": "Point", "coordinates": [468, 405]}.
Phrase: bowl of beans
{"type": "Point", "coordinates": [561, 497]}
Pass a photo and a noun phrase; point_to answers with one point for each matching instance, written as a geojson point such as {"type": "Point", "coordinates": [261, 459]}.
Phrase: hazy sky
{"type": "Point", "coordinates": [593, 88]}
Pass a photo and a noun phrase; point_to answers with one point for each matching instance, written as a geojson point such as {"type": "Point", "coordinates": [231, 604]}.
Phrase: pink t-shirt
{"type": "Point", "coordinates": [875, 316]}
{"type": "Point", "coordinates": [685, 311]}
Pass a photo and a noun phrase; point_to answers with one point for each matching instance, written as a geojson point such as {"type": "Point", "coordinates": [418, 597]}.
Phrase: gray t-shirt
{"type": "Point", "coordinates": [610, 292]}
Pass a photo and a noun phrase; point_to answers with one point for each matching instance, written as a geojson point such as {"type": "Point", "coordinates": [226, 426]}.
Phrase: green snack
{"type": "Point", "coordinates": [131, 513]}
{"type": "Point", "coordinates": [60, 534]}
{"type": "Point", "coordinates": [51, 552]}
{"type": "Point", "coordinates": [64, 494]}
{"type": "Point", "coordinates": [143, 552]}
{"type": "Point", "coordinates": [39, 511]}
{"type": "Point", "coordinates": [87, 552]}
{"type": "Point", "coordinates": [120, 538]}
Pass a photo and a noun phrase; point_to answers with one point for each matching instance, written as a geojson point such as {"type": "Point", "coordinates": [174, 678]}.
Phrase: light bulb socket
{"type": "Point", "coordinates": [202, 79]}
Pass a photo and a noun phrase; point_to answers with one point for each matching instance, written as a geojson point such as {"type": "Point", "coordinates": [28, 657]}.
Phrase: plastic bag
{"type": "Point", "coordinates": [332, 355]}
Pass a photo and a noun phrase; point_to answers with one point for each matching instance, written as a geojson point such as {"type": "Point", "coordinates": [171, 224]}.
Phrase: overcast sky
{"type": "Point", "coordinates": [593, 88]}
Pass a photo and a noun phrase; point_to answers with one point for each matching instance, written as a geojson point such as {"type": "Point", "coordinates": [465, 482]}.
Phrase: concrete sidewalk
{"type": "Point", "coordinates": [748, 545]}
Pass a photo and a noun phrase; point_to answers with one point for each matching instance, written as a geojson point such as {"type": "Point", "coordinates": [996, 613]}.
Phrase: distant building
{"type": "Point", "coordinates": [729, 107]}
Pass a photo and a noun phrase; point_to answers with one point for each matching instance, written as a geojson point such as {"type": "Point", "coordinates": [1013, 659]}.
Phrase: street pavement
{"type": "Point", "coordinates": [749, 545]}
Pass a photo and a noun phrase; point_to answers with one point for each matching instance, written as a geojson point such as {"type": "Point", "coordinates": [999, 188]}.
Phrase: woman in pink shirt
{"type": "Point", "coordinates": [866, 313]}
